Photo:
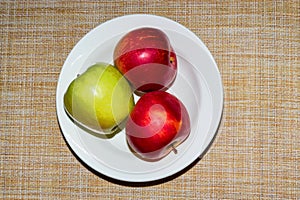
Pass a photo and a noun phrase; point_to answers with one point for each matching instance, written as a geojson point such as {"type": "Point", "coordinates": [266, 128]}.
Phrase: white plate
{"type": "Point", "coordinates": [198, 85]}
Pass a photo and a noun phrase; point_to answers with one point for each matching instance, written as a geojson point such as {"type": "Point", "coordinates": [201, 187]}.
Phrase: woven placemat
{"type": "Point", "coordinates": [256, 152]}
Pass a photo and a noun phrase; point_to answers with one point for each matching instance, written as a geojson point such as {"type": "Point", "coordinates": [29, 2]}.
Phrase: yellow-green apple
{"type": "Point", "coordinates": [146, 57]}
{"type": "Point", "coordinates": [157, 124]}
{"type": "Point", "coordinates": [99, 99]}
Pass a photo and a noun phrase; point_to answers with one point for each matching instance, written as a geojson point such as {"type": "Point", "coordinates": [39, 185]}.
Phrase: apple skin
{"type": "Point", "coordinates": [157, 124]}
{"type": "Point", "coordinates": [99, 99]}
{"type": "Point", "coordinates": [146, 58]}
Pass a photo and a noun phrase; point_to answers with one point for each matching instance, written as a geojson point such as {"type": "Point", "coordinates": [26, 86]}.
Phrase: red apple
{"type": "Point", "coordinates": [146, 58]}
{"type": "Point", "coordinates": [157, 124]}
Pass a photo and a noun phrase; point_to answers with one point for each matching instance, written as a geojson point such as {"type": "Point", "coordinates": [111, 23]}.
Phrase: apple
{"type": "Point", "coordinates": [146, 58]}
{"type": "Point", "coordinates": [99, 99]}
{"type": "Point", "coordinates": [157, 124]}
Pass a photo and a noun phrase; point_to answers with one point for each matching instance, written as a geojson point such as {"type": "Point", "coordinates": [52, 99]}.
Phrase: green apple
{"type": "Point", "coordinates": [100, 99]}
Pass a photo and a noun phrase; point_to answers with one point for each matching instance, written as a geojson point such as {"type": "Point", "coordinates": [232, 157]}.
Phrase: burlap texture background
{"type": "Point", "coordinates": [256, 154]}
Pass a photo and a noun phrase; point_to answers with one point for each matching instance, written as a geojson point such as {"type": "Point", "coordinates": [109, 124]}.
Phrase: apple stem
{"type": "Point", "coordinates": [174, 149]}
{"type": "Point", "coordinates": [78, 75]}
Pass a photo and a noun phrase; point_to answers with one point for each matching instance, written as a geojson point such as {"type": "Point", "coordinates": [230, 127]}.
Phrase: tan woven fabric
{"type": "Point", "coordinates": [256, 154]}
